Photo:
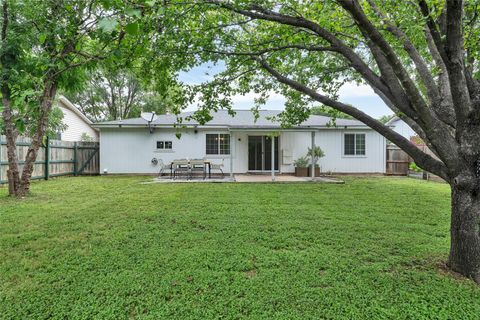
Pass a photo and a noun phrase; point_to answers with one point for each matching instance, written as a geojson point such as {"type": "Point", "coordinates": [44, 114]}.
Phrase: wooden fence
{"type": "Point", "coordinates": [397, 161]}
{"type": "Point", "coordinates": [55, 158]}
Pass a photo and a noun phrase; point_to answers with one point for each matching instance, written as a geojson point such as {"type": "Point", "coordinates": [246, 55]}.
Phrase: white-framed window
{"type": "Point", "coordinates": [164, 145]}
{"type": "Point", "coordinates": [354, 144]}
{"type": "Point", "coordinates": [217, 143]}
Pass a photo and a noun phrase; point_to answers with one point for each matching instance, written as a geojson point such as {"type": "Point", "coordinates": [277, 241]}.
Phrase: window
{"type": "Point", "coordinates": [354, 144]}
{"type": "Point", "coordinates": [164, 145]}
{"type": "Point", "coordinates": [218, 143]}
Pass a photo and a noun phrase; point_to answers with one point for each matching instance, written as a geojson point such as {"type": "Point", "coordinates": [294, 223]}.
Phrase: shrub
{"type": "Point", "coordinates": [301, 162]}
{"type": "Point", "coordinates": [413, 167]}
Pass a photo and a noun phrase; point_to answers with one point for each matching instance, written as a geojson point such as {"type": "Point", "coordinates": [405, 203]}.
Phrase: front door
{"type": "Point", "coordinates": [260, 153]}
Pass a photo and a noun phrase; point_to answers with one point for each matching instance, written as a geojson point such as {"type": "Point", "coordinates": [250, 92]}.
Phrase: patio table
{"type": "Point", "coordinates": [206, 162]}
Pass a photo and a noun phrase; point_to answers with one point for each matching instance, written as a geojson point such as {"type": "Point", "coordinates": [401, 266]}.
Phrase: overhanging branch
{"type": "Point", "coordinates": [422, 159]}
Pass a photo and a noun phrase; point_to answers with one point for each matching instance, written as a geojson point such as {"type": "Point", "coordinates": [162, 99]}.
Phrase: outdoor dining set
{"type": "Point", "coordinates": [188, 168]}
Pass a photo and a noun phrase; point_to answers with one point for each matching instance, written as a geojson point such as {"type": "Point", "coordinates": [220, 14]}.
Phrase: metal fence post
{"type": "Point", "coordinates": [47, 158]}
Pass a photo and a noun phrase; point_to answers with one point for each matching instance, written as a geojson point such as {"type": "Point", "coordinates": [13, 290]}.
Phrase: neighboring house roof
{"type": "Point", "coordinates": [77, 124]}
{"type": "Point", "coordinates": [391, 122]}
{"type": "Point", "coordinates": [243, 119]}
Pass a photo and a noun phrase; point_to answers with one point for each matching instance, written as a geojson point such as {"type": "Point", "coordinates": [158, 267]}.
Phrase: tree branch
{"type": "Point", "coordinates": [455, 55]}
{"type": "Point", "coordinates": [256, 12]}
{"type": "Point", "coordinates": [422, 159]}
{"type": "Point", "coordinates": [433, 28]}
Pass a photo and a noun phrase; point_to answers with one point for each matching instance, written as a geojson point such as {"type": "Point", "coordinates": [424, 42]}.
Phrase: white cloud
{"type": "Point", "coordinates": [352, 90]}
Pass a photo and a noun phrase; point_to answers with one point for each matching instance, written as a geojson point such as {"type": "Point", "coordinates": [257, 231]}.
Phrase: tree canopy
{"type": "Point", "coordinates": [420, 57]}
{"type": "Point", "coordinates": [112, 94]}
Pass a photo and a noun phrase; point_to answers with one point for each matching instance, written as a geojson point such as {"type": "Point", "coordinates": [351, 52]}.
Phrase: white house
{"type": "Point", "coordinates": [241, 143]}
{"type": "Point", "coordinates": [78, 125]}
{"type": "Point", "coordinates": [399, 126]}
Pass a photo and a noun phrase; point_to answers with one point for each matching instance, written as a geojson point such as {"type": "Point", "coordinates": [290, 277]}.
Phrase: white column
{"type": "Point", "coordinates": [232, 147]}
{"type": "Point", "coordinates": [312, 173]}
{"type": "Point", "coordinates": [273, 158]}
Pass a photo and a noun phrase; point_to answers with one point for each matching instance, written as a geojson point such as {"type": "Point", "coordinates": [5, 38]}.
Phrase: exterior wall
{"type": "Point", "coordinates": [76, 126]}
{"type": "Point", "coordinates": [130, 150]}
{"type": "Point", "coordinates": [294, 145]}
{"type": "Point", "coordinates": [331, 141]}
{"type": "Point", "coordinates": [402, 128]}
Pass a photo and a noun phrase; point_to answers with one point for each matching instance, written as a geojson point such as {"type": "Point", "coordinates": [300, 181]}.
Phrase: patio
{"type": "Point", "coordinates": [248, 178]}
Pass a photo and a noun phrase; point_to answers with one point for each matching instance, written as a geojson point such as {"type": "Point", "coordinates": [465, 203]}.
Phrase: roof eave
{"type": "Point", "coordinates": [233, 128]}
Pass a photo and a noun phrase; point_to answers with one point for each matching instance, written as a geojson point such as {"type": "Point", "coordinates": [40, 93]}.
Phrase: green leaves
{"type": "Point", "coordinates": [20, 125]}
{"type": "Point", "coordinates": [132, 28]}
{"type": "Point", "coordinates": [42, 37]}
{"type": "Point", "coordinates": [108, 24]}
{"type": "Point", "coordinates": [133, 12]}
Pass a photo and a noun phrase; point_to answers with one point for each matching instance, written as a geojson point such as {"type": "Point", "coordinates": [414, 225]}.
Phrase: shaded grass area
{"type": "Point", "coordinates": [112, 248]}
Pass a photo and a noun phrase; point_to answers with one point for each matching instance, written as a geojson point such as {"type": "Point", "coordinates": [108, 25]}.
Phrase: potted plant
{"type": "Point", "coordinates": [415, 171]}
{"type": "Point", "coordinates": [317, 153]}
{"type": "Point", "coordinates": [301, 167]}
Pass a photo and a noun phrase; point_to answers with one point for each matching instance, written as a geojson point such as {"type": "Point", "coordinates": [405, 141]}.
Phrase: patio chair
{"type": "Point", "coordinates": [218, 167]}
{"type": "Point", "coordinates": [163, 167]}
{"type": "Point", "coordinates": [181, 166]}
{"type": "Point", "coordinates": [198, 165]}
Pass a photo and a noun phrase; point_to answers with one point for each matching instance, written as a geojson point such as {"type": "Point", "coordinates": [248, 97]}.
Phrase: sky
{"type": "Point", "coordinates": [361, 96]}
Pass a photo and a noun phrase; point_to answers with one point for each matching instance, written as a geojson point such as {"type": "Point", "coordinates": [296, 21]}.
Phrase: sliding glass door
{"type": "Point", "coordinates": [260, 153]}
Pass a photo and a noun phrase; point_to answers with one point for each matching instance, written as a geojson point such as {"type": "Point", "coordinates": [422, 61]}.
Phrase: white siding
{"type": "Point", "coordinates": [402, 128]}
{"type": "Point", "coordinates": [76, 126]}
{"type": "Point", "coordinates": [129, 150]}
{"type": "Point", "coordinates": [331, 142]}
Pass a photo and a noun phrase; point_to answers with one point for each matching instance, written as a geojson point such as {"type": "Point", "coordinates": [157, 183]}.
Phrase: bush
{"type": "Point", "coordinates": [413, 167]}
{"type": "Point", "coordinates": [301, 162]}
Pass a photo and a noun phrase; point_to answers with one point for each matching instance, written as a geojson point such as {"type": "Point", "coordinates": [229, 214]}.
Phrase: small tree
{"type": "Point", "coordinates": [47, 45]}
{"type": "Point", "coordinates": [316, 153]}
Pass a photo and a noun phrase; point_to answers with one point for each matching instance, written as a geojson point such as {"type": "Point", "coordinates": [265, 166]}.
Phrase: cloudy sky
{"type": "Point", "coordinates": [361, 97]}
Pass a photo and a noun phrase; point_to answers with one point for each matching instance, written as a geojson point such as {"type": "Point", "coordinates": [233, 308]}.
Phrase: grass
{"type": "Point", "coordinates": [112, 248]}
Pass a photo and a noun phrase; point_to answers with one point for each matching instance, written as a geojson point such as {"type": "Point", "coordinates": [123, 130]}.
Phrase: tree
{"type": "Point", "coordinates": [47, 45]}
{"type": "Point", "coordinates": [113, 94]}
{"type": "Point", "coordinates": [316, 153]}
{"type": "Point", "coordinates": [420, 57]}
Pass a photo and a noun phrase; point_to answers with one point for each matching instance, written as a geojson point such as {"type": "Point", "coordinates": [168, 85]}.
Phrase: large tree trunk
{"type": "Point", "coordinates": [465, 230]}
{"type": "Point", "coordinates": [46, 105]}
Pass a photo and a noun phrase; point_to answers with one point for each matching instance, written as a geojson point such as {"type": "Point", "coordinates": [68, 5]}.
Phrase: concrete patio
{"type": "Point", "coordinates": [283, 178]}
{"type": "Point", "coordinates": [250, 178]}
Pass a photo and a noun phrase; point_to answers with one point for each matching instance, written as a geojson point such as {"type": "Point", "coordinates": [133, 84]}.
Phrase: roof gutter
{"type": "Point", "coordinates": [213, 127]}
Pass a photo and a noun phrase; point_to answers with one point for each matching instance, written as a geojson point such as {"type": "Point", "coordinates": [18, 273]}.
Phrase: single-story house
{"type": "Point", "coordinates": [78, 126]}
{"type": "Point", "coordinates": [241, 143]}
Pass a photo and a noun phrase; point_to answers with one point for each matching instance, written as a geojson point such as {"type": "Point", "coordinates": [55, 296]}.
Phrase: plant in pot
{"type": "Point", "coordinates": [415, 171]}
{"type": "Point", "coordinates": [301, 167]}
{"type": "Point", "coordinates": [316, 153]}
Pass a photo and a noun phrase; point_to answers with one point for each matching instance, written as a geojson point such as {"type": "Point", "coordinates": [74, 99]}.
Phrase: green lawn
{"type": "Point", "coordinates": [112, 248]}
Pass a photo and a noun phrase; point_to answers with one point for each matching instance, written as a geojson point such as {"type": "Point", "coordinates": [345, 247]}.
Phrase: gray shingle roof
{"type": "Point", "coordinates": [242, 119]}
